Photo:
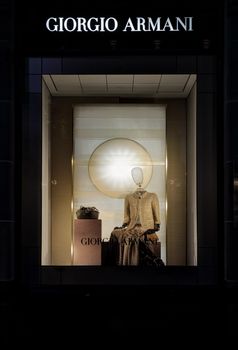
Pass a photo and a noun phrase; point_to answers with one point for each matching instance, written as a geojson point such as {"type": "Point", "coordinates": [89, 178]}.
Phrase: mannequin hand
{"type": "Point", "coordinates": [120, 227]}
{"type": "Point", "coordinates": [156, 228]}
{"type": "Point", "coordinates": [149, 232]}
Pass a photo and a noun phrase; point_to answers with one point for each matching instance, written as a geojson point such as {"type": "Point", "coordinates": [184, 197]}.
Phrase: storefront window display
{"type": "Point", "coordinates": [125, 151]}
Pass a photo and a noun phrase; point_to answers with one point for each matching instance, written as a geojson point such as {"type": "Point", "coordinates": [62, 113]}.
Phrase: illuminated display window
{"type": "Point", "coordinates": [95, 130]}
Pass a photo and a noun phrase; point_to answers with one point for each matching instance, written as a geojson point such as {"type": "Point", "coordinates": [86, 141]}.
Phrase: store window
{"type": "Point", "coordinates": [119, 170]}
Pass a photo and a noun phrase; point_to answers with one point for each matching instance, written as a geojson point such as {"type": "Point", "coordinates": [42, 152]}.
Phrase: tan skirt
{"type": "Point", "coordinates": [125, 243]}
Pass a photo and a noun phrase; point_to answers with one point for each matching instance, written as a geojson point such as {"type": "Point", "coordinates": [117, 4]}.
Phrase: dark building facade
{"type": "Point", "coordinates": [29, 51]}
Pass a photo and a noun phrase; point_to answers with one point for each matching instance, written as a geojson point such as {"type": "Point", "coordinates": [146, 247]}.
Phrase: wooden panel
{"type": "Point", "coordinates": [176, 182]}
{"type": "Point", "coordinates": [61, 177]}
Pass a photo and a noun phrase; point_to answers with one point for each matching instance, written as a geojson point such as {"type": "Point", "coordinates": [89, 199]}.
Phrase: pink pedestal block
{"type": "Point", "coordinates": [87, 241]}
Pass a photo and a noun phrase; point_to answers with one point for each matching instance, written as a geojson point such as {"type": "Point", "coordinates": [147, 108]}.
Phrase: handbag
{"type": "Point", "coordinates": [87, 213]}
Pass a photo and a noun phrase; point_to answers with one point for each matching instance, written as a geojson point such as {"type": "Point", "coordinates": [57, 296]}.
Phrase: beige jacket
{"type": "Point", "coordinates": [142, 209]}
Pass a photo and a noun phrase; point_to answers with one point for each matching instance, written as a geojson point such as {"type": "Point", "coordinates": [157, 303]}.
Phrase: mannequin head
{"type": "Point", "coordinates": [137, 175]}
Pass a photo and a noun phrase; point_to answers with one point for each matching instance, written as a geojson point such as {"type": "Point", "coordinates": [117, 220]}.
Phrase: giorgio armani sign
{"type": "Point", "coordinates": [111, 24]}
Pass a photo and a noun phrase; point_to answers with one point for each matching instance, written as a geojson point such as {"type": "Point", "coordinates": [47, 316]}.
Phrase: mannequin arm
{"type": "Point", "coordinates": [156, 211]}
{"type": "Point", "coordinates": [126, 213]}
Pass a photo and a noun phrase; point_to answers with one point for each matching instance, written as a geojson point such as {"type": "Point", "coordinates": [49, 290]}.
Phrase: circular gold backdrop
{"type": "Point", "coordinates": [111, 163]}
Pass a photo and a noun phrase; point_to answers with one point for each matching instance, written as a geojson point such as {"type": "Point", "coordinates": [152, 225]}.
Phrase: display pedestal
{"type": "Point", "coordinates": [87, 242]}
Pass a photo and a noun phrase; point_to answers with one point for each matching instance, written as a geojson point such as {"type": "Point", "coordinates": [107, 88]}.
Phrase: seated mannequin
{"type": "Point", "coordinates": [141, 221]}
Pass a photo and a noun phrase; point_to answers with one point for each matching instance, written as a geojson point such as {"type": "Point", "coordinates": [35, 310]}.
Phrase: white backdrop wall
{"type": "Point", "coordinates": [97, 123]}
